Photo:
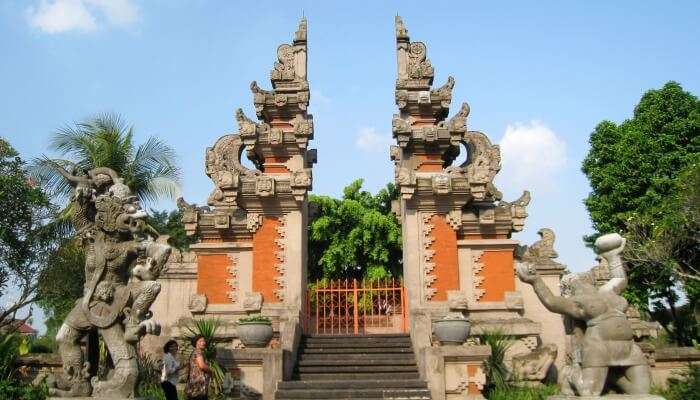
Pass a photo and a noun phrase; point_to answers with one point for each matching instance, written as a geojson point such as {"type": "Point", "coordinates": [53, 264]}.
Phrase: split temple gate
{"type": "Point", "coordinates": [251, 251]}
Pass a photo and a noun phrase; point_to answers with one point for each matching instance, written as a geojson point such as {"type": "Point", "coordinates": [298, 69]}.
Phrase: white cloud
{"type": "Point", "coordinates": [532, 155]}
{"type": "Point", "coordinates": [58, 16]}
{"type": "Point", "coordinates": [369, 140]}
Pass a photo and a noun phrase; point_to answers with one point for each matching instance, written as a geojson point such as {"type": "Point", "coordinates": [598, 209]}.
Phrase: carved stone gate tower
{"type": "Point", "coordinates": [458, 252]}
{"type": "Point", "coordinates": [250, 256]}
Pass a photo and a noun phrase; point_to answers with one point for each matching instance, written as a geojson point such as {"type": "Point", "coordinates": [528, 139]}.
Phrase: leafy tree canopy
{"type": "Point", "coordinates": [356, 236]}
{"type": "Point", "coordinates": [645, 177]}
{"type": "Point", "coordinates": [170, 223]}
{"type": "Point", "coordinates": [25, 240]}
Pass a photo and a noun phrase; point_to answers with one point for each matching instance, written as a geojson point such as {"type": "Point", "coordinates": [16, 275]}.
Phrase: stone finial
{"type": "Point", "coordinates": [401, 31]}
{"type": "Point", "coordinates": [414, 68]}
{"type": "Point", "coordinates": [291, 59]}
{"type": "Point", "coordinates": [543, 249]}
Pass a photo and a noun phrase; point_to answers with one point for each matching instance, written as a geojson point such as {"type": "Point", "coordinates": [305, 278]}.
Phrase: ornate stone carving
{"type": "Point", "coordinates": [122, 262]}
{"type": "Point", "coordinates": [543, 249]}
{"type": "Point", "coordinates": [265, 186]}
{"type": "Point", "coordinates": [604, 334]}
{"type": "Point", "coordinates": [442, 184]}
{"type": "Point", "coordinates": [444, 92]}
{"type": "Point", "coordinates": [518, 210]}
{"type": "Point", "coordinates": [419, 67]}
{"type": "Point", "coordinates": [281, 256]}
{"type": "Point", "coordinates": [253, 301]}
{"type": "Point", "coordinates": [303, 130]}
{"type": "Point", "coordinates": [401, 130]}
{"type": "Point", "coordinates": [454, 218]}
{"type": "Point", "coordinates": [458, 124]}
{"type": "Point", "coordinates": [477, 280]}
{"type": "Point", "coordinates": [514, 300]}
{"type": "Point", "coordinates": [531, 368]}
{"type": "Point", "coordinates": [254, 221]}
{"type": "Point", "coordinates": [428, 253]}
{"type": "Point", "coordinates": [221, 221]}
{"type": "Point", "coordinates": [197, 303]}
{"type": "Point", "coordinates": [233, 280]}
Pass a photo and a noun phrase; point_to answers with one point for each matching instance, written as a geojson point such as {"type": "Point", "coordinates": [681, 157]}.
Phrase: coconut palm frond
{"type": "Point", "coordinates": [158, 157]}
{"type": "Point", "coordinates": [45, 172]}
{"type": "Point", "coordinates": [161, 187]}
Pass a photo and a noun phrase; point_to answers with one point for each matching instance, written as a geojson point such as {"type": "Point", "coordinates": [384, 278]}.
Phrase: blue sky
{"type": "Point", "coordinates": [538, 76]}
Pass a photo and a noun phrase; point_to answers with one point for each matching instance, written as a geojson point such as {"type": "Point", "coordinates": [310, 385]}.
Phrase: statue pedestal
{"type": "Point", "coordinates": [101, 398]}
{"type": "Point", "coordinates": [608, 397]}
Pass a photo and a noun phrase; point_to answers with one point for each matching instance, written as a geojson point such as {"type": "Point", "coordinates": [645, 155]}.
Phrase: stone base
{"type": "Point", "coordinates": [101, 398]}
{"type": "Point", "coordinates": [608, 397]}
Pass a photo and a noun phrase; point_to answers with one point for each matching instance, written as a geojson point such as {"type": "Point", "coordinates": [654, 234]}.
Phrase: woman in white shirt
{"type": "Point", "coordinates": [171, 367]}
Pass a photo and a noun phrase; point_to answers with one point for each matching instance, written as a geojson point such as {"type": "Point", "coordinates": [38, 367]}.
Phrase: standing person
{"type": "Point", "coordinates": [199, 375]}
{"type": "Point", "coordinates": [171, 367]}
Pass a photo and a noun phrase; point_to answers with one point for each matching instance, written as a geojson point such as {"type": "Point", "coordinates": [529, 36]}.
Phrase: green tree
{"type": "Point", "coordinates": [640, 173]}
{"type": "Point", "coordinates": [170, 223]}
{"type": "Point", "coordinates": [25, 239]}
{"type": "Point", "coordinates": [149, 169]}
{"type": "Point", "coordinates": [356, 236]}
{"type": "Point", "coordinates": [57, 292]}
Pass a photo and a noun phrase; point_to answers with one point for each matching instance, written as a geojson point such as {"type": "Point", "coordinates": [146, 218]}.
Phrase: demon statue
{"type": "Point", "coordinates": [122, 262]}
{"type": "Point", "coordinates": [604, 349]}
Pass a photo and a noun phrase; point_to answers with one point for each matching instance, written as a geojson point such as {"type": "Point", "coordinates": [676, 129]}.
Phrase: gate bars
{"type": "Point", "coordinates": [352, 307]}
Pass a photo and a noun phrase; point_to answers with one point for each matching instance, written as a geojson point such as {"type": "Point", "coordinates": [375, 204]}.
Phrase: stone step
{"type": "Point", "coordinates": [374, 336]}
{"type": "Point", "coordinates": [362, 376]}
{"type": "Point", "coordinates": [353, 394]}
{"type": "Point", "coordinates": [372, 360]}
{"type": "Point", "coordinates": [360, 356]}
{"type": "Point", "coordinates": [353, 350]}
{"type": "Point", "coordinates": [334, 369]}
{"type": "Point", "coordinates": [354, 384]}
{"type": "Point", "coordinates": [356, 339]}
{"type": "Point", "coordinates": [362, 344]}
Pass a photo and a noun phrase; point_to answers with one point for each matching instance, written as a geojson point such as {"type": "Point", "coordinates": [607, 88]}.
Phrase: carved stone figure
{"type": "Point", "coordinates": [122, 263]}
{"type": "Point", "coordinates": [531, 368]}
{"type": "Point", "coordinates": [606, 351]}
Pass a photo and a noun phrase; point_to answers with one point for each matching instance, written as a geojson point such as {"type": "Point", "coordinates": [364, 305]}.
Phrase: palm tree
{"type": "Point", "coordinates": [106, 141]}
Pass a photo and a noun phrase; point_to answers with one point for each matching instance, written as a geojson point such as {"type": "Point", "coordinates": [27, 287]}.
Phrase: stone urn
{"type": "Point", "coordinates": [254, 331]}
{"type": "Point", "coordinates": [451, 331]}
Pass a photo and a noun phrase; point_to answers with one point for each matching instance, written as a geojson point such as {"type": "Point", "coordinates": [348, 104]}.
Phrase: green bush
{"type": "Point", "coordinates": [522, 393]}
{"type": "Point", "coordinates": [496, 371]}
{"type": "Point", "coordinates": [18, 390]}
{"type": "Point", "coordinates": [255, 319]}
{"type": "Point", "coordinates": [684, 385]}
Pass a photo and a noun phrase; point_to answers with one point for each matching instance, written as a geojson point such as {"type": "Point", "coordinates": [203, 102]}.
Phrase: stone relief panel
{"type": "Point", "coordinates": [477, 280]}
{"type": "Point", "coordinates": [427, 256]}
{"type": "Point", "coordinates": [233, 280]}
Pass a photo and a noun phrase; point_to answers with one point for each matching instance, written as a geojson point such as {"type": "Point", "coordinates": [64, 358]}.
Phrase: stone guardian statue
{"type": "Point", "coordinates": [122, 262]}
{"type": "Point", "coordinates": [607, 351]}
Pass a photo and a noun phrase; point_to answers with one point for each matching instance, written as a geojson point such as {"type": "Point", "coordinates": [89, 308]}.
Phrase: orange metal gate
{"type": "Point", "coordinates": [352, 307]}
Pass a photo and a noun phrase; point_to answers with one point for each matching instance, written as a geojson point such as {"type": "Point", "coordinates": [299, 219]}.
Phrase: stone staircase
{"type": "Point", "coordinates": [355, 367]}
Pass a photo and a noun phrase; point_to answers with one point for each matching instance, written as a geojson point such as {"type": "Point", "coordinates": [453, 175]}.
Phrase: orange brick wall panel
{"type": "Point", "coordinates": [473, 388]}
{"type": "Point", "coordinates": [212, 276]}
{"type": "Point", "coordinates": [446, 258]}
{"type": "Point", "coordinates": [265, 259]}
{"type": "Point", "coordinates": [498, 273]}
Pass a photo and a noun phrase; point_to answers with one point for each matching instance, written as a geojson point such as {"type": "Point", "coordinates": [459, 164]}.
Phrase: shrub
{"type": "Point", "coordinates": [496, 371]}
{"type": "Point", "coordinates": [18, 390]}
{"type": "Point", "coordinates": [255, 319]}
{"type": "Point", "coordinates": [684, 385]}
{"type": "Point", "coordinates": [523, 393]}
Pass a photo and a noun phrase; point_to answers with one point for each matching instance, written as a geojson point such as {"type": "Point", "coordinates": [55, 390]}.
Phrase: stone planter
{"type": "Point", "coordinates": [451, 332]}
{"type": "Point", "coordinates": [255, 334]}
